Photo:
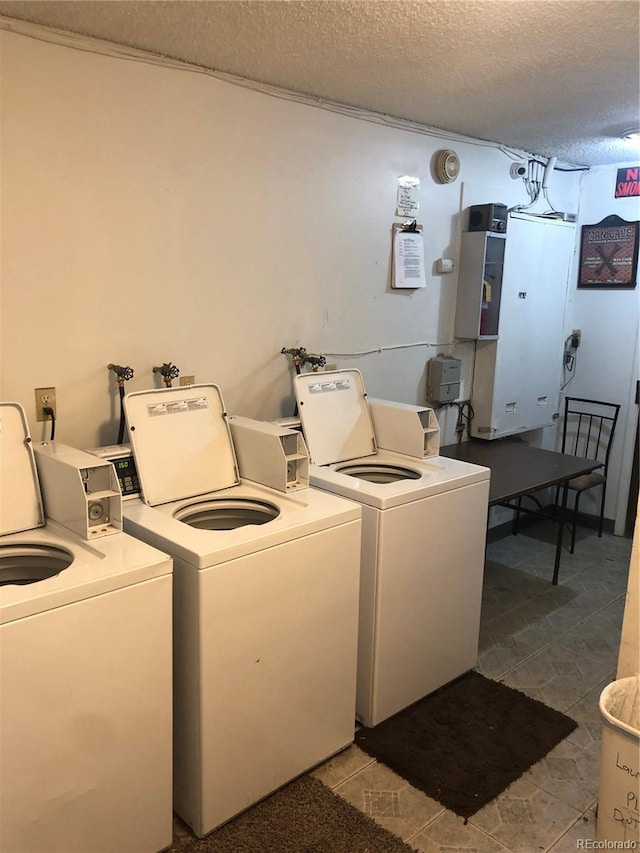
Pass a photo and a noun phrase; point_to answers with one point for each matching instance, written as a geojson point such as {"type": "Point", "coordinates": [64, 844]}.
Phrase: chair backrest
{"type": "Point", "coordinates": [588, 428]}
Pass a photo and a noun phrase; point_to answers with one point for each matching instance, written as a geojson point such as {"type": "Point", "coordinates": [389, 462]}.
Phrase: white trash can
{"type": "Point", "coordinates": [619, 803]}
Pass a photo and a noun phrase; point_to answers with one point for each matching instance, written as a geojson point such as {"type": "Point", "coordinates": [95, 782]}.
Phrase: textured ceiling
{"type": "Point", "coordinates": [552, 77]}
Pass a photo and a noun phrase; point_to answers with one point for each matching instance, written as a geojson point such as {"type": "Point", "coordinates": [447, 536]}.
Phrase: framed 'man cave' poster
{"type": "Point", "coordinates": [609, 254]}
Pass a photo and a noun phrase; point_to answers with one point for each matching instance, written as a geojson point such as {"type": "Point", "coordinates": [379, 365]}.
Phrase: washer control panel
{"type": "Point", "coordinates": [121, 457]}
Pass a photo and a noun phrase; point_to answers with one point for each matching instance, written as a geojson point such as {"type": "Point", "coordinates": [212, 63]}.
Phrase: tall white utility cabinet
{"type": "Point", "coordinates": [518, 366]}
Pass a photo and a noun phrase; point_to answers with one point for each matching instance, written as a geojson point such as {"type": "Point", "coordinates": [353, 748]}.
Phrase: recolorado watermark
{"type": "Point", "coordinates": [588, 844]}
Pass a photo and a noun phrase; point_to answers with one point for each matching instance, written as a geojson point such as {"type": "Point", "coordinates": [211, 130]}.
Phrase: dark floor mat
{"type": "Point", "coordinates": [465, 743]}
{"type": "Point", "coordinates": [303, 817]}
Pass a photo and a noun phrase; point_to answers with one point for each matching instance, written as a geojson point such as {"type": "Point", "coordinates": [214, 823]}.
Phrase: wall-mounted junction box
{"type": "Point", "coordinates": [443, 379]}
{"type": "Point", "coordinates": [78, 490]}
{"type": "Point", "coordinates": [402, 428]}
{"type": "Point", "coordinates": [270, 454]}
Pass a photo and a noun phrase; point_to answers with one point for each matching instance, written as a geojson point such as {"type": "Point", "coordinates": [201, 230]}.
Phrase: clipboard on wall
{"type": "Point", "coordinates": [407, 268]}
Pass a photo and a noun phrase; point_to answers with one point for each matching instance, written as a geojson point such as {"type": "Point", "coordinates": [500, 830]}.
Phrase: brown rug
{"type": "Point", "coordinates": [467, 742]}
{"type": "Point", "coordinates": [303, 817]}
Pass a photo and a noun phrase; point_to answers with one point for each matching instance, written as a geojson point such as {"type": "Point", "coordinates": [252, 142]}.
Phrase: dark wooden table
{"type": "Point", "coordinates": [517, 469]}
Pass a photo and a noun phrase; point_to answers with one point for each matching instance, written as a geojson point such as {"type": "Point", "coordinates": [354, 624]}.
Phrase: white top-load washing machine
{"type": "Point", "coordinates": [265, 601]}
{"type": "Point", "coordinates": [423, 539]}
{"type": "Point", "coordinates": [85, 660]}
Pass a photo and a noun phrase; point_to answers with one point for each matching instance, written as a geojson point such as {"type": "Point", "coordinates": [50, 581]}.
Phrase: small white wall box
{"type": "Point", "coordinates": [443, 378]}
{"type": "Point", "coordinates": [402, 428]}
{"type": "Point", "coordinates": [79, 491]}
{"type": "Point", "coordinates": [444, 265]}
{"type": "Point", "coordinates": [270, 454]}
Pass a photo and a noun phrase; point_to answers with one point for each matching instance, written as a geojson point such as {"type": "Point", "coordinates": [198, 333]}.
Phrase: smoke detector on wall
{"type": "Point", "coordinates": [447, 166]}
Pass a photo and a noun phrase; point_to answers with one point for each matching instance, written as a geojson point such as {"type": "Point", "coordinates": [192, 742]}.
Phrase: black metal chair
{"type": "Point", "coordinates": [587, 432]}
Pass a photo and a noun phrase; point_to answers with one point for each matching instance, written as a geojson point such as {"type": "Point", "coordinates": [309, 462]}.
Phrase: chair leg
{"type": "Point", "coordinates": [604, 491]}
{"type": "Point", "coordinates": [575, 522]}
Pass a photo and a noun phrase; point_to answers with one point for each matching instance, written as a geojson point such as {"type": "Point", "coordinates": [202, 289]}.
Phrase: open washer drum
{"type": "Point", "coordinates": [183, 447]}
{"type": "Point", "coordinates": [338, 427]}
{"type": "Point", "coordinates": [23, 561]}
{"type": "Point", "coordinates": [85, 739]}
{"type": "Point", "coordinates": [339, 430]}
{"type": "Point", "coordinates": [421, 581]}
{"type": "Point", "coordinates": [262, 688]}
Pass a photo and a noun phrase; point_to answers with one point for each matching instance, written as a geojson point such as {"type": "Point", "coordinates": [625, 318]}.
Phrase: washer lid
{"type": "Point", "coordinates": [20, 500]}
{"type": "Point", "coordinates": [335, 416]}
{"type": "Point", "coordinates": [181, 442]}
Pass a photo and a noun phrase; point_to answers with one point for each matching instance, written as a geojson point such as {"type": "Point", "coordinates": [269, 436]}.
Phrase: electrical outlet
{"type": "Point", "coordinates": [187, 380]}
{"type": "Point", "coordinates": [45, 397]}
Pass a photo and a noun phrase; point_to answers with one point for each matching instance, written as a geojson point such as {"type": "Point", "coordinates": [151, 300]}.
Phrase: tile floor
{"type": "Point", "coordinates": [558, 645]}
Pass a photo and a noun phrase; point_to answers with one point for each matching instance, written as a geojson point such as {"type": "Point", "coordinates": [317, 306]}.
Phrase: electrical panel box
{"type": "Point", "coordinates": [443, 378]}
{"type": "Point", "coordinates": [121, 456]}
{"type": "Point", "coordinates": [270, 454]}
{"type": "Point", "coordinates": [403, 428]}
{"type": "Point", "coordinates": [78, 490]}
{"type": "Point", "coordinates": [479, 285]}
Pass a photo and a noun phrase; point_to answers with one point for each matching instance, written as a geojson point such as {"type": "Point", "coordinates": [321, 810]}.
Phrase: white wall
{"type": "Point", "coordinates": [607, 364]}
{"type": "Point", "coordinates": [153, 214]}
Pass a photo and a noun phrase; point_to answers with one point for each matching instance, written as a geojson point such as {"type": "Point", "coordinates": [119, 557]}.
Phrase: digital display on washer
{"type": "Point", "coordinates": [127, 475]}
